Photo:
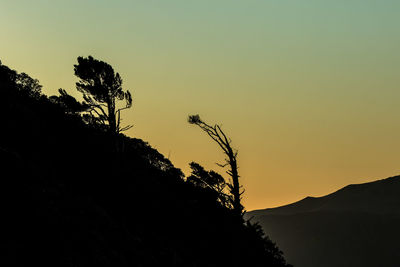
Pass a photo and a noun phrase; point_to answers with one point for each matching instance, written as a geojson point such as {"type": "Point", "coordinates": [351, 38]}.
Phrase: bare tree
{"type": "Point", "coordinates": [216, 133]}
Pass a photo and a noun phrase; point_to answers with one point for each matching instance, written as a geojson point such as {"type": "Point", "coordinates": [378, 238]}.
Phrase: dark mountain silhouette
{"type": "Point", "coordinates": [75, 195]}
{"type": "Point", "coordinates": [358, 225]}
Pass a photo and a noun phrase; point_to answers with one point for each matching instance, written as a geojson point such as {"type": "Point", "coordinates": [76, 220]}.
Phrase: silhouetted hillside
{"type": "Point", "coordinates": [74, 195]}
{"type": "Point", "coordinates": [357, 225]}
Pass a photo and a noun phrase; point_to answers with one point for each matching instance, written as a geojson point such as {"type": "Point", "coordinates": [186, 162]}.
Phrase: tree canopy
{"type": "Point", "coordinates": [101, 87]}
{"type": "Point", "coordinates": [210, 180]}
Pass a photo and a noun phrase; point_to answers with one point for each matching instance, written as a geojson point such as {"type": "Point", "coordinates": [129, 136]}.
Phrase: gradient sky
{"type": "Point", "coordinates": [307, 90]}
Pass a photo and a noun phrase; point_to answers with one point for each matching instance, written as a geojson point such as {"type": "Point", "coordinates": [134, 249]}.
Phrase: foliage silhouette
{"type": "Point", "coordinates": [210, 180]}
{"type": "Point", "coordinates": [102, 89]}
{"type": "Point", "coordinates": [69, 199]}
{"type": "Point", "coordinates": [216, 133]}
{"type": "Point", "coordinates": [69, 103]}
{"type": "Point", "coordinates": [20, 82]}
{"type": "Point", "coordinates": [29, 85]}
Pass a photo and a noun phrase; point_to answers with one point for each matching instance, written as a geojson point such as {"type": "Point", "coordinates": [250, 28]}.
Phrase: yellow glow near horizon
{"type": "Point", "coordinates": [307, 90]}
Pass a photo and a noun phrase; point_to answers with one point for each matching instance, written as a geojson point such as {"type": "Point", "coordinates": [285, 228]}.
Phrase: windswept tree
{"type": "Point", "coordinates": [102, 89]}
{"type": "Point", "coordinates": [216, 133]}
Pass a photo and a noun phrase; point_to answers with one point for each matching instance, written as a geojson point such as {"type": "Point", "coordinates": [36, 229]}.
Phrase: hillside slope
{"type": "Point", "coordinates": [357, 225]}
{"type": "Point", "coordinates": [74, 195]}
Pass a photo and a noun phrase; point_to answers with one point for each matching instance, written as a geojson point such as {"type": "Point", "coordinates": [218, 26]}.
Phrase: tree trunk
{"type": "Point", "coordinates": [237, 206]}
{"type": "Point", "coordinates": [112, 123]}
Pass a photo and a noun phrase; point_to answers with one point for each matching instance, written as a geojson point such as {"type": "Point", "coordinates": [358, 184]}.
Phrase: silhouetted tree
{"type": "Point", "coordinates": [28, 85]}
{"type": "Point", "coordinates": [7, 76]}
{"type": "Point", "coordinates": [21, 82]}
{"type": "Point", "coordinates": [216, 133]}
{"type": "Point", "coordinates": [102, 88]}
{"type": "Point", "coordinates": [209, 180]}
{"type": "Point", "coordinates": [69, 103]}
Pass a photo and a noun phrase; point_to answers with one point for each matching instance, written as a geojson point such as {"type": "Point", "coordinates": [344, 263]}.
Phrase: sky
{"type": "Point", "coordinates": [308, 90]}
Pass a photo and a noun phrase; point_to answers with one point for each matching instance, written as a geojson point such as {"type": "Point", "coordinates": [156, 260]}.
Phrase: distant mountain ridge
{"type": "Point", "coordinates": [381, 196]}
{"type": "Point", "coordinates": [357, 225]}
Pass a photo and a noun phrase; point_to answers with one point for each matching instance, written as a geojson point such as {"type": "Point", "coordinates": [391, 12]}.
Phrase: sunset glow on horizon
{"type": "Point", "coordinates": [308, 91]}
